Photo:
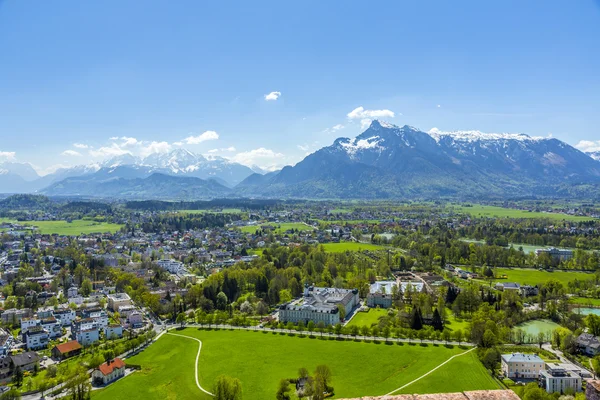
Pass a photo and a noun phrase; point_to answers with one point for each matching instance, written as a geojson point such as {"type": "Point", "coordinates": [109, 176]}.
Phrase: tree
{"type": "Point", "coordinates": [227, 388]}
{"type": "Point", "coordinates": [181, 319]}
{"type": "Point", "coordinates": [416, 320]}
{"type": "Point", "coordinates": [18, 377]}
{"type": "Point", "coordinates": [321, 327]}
{"type": "Point", "coordinates": [311, 327]}
{"type": "Point", "coordinates": [491, 359]}
{"type": "Point", "coordinates": [446, 335]}
{"type": "Point", "coordinates": [262, 308]}
{"type": "Point", "coordinates": [437, 323]}
{"type": "Point", "coordinates": [222, 301]}
{"type": "Point", "coordinates": [323, 377]}
{"type": "Point", "coordinates": [593, 323]}
{"type": "Point", "coordinates": [86, 287]}
{"type": "Point", "coordinates": [283, 390]}
{"type": "Point", "coordinates": [78, 384]}
{"type": "Point", "coordinates": [541, 339]}
{"type": "Point", "coordinates": [596, 365]}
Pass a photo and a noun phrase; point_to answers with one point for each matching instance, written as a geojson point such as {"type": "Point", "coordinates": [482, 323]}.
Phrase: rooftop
{"type": "Point", "coordinates": [520, 357]}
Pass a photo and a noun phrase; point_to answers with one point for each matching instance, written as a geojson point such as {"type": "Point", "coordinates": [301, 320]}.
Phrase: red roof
{"type": "Point", "coordinates": [107, 368]}
{"type": "Point", "coordinates": [68, 347]}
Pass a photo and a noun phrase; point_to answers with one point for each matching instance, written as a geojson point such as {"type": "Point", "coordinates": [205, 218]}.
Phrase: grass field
{"type": "Point", "coordinates": [478, 210]}
{"type": "Point", "coordinates": [534, 276]}
{"type": "Point", "coordinates": [260, 360]}
{"type": "Point", "coordinates": [455, 324]}
{"type": "Point", "coordinates": [460, 374]}
{"type": "Point", "coordinates": [367, 318]}
{"type": "Point", "coordinates": [350, 246]}
{"type": "Point", "coordinates": [76, 227]}
{"type": "Point", "coordinates": [279, 227]}
{"type": "Point", "coordinates": [585, 301]}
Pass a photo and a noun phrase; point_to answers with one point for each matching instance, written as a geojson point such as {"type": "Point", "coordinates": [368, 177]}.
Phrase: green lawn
{"type": "Point", "coordinates": [453, 323]}
{"type": "Point", "coordinates": [533, 277]}
{"type": "Point", "coordinates": [460, 374]}
{"type": "Point", "coordinates": [350, 246]}
{"type": "Point", "coordinates": [279, 228]}
{"type": "Point", "coordinates": [585, 301]}
{"type": "Point", "coordinates": [76, 227]}
{"type": "Point", "coordinates": [478, 210]}
{"type": "Point", "coordinates": [260, 360]}
{"type": "Point", "coordinates": [367, 318]}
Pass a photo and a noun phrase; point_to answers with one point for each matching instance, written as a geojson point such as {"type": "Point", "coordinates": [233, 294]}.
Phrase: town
{"type": "Point", "coordinates": [522, 292]}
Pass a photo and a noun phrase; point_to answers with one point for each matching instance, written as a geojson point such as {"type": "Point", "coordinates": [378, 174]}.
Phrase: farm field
{"type": "Point", "coordinates": [350, 246]}
{"type": "Point", "coordinates": [260, 360]}
{"type": "Point", "coordinates": [75, 227]}
{"type": "Point", "coordinates": [533, 277]}
{"type": "Point", "coordinates": [367, 318]}
{"type": "Point", "coordinates": [279, 227]}
{"type": "Point", "coordinates": [478, 210]}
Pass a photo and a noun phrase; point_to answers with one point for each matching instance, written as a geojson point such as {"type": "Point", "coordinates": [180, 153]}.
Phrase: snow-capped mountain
{"type": "Point", "coordinates": [388, 161]}
{"type": "Point", "coordinates": [594, 154]}
{"type": "Point", "coordinates": [126, 168]}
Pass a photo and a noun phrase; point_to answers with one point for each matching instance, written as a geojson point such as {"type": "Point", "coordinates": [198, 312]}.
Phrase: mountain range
{"type": "Point", "coordinates": [22, 178]}
{"type": "Point", "coordinates": [385, 161]}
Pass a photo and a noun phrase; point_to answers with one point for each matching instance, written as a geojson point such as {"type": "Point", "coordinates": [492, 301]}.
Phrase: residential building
{"type": "Point", "coordinates": [87, 336]}
{"type": "Point", "coordinates": [174, 267]}
{"type": "Point", "coordinates": [14, 316]}
{"type": "Point", "coordinates": [109, 372]}
{"type": "Point", "coordinates": [53, 326]}
{"type": "Point", "coordinates": [66, 350]}
{"type": "Point", "coordinates": [6, 342]}
{"type": "Point", "coordinates": [72, 292]}
{"type": "Point", "coordinates": [113, 331]}
{"type": "Point", "coordinates": [588, 344]}
{"type": "Point", "coordinates": [556, 379]}
{"type": "Point", "coordinates": [65, 316]}
{"type": "Point", "coordinates": [135, 319]}
{"type": "Point", "coordinates": [36, 338]}
{"type": "Point", "coordinates": [521, 366]}
{"type": "Point", "coordinates": [26, 361]}
{"type": "Point", "coordinates": [118, 300]}
{"type": "Point", "coordinates": [320, 304]}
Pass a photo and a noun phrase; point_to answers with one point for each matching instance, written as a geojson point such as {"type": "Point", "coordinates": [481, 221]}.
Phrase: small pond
{"type": "Point", "coordinates": [532, 328]}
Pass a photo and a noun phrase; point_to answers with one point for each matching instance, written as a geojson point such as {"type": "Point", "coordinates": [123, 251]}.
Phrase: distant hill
{"type": "Point", "coordinates": [158, 186]}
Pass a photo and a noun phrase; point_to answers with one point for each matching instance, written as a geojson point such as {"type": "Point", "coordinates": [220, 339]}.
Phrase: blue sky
{"type": "Point", "coordinates": [162, 73]}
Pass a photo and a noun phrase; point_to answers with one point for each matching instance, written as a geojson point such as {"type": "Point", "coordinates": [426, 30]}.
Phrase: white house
{"type": "Point", "coordinates": [118, 300]}
{"type": "Point", "coordinates": [519, 365]}
{"type": "Point", "coordinates": [108, 372]}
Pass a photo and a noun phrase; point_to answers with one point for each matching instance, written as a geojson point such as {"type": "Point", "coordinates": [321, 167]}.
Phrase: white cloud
{"type": "Point", "coordinates": [365, 123]}
{"type": "Point", "coordinates": [109, 151]}
{"type": "Point", "coordinates": [439, 106]}
{"type": "Point", "coordinates": [304, 147]}
{"type": "Point", "coordinates": [80, 146]}
{"type": "Point", "coordinates": [155, 147]}
{"type": "Point", "coordinates": [361, 113]}
{"type": "Point", "coordinates": [223, 150]}
{"type": "Point", "coordinates": [7, 155]}
{"type": "Point", "coordinates": [588, 145]}
{"type": "Point", "coordinates": [178, 144]}
{"type": "Point", "coordinates": [129, 141]}
{"type": "Point", "coordinates": [334, 128]}
{"type": "Point", "coordinates": [272, 96]}
{"type": "Point", "coordinates": [264, 158]}
{"type": "Point", "coordinates": [114, 138]}
{"type": "Point", "coordinates": [208, 135]}
{"type": "Point", "coordinates": [71, 153]}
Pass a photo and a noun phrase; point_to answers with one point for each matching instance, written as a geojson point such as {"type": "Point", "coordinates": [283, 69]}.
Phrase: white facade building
{"type": "Point", "coordinates": [524, 366]}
